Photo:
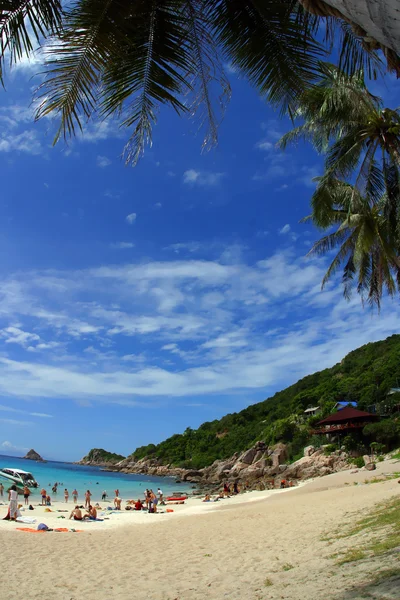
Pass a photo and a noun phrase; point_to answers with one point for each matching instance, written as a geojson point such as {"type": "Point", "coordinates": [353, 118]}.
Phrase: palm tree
{"type": "Point", "coordinates": [367, 241]}
{"type": "Point", "coordinates": [128, 57]}
{"type": "Point", "coordinates": [359, 137]}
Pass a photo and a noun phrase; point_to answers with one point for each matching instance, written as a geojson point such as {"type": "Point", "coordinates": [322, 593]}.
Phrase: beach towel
{"type": "Point", "coordinates": [26, 520]}
{"type": "Point", "coordinates": [60, 530]}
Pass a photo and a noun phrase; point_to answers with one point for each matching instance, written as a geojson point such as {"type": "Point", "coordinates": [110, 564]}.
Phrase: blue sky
{"type": "Point", "coordinates": [137, 302]}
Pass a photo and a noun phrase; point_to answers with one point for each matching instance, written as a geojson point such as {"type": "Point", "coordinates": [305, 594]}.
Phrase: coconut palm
{"type": "Point", "coordinates": [359, 137]}
{"type": "Point", "coordinates": [367, 237]}
{"type": "Point", "coordinates": [129, 57]}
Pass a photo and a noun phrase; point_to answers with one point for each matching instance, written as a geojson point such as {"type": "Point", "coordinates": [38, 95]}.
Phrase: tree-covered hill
{"type": "Point", "coordinates": [98, 456]}
{"type": "Point", "coordinates": [365, 375]}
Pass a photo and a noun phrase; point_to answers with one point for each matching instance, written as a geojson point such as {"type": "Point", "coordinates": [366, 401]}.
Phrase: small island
{"type": "Point", "coordinates": [100, 457]}
{"type": "Point", "coordinates": [33, 455]}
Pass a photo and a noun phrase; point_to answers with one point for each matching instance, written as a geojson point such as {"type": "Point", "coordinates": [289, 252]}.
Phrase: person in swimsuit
{"type": "Point", "coordinates": [1, 490]}
{"type": "Point", "coordinates": [104, 495]}
{"type": "Point", "coordinates": [138, 505]}
{"type": "Point", "coordinates": [117, 503]}
{"type": "Point", "coordinates": [91, 514]}
{"type": "Point", "coordinates": [43, 493]}
{"type": "Point", "coordinates": [76, 514]}
{"type": "Point", "coordinates": [88, 495]}
{"type": "Point", "coordinates": [75, 496]}
{"type": "Point", "coordinates": [26, 495]}
{"type": "Point", "coordinates": [66, 495]}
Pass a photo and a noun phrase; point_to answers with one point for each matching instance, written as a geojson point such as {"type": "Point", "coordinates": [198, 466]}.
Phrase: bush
{"type": "Point", "coordinates": [329, 449]}
{"type": "Point", "coordinates": [384, 432]}
{"type": "Point", "coordinates": [358, 462]}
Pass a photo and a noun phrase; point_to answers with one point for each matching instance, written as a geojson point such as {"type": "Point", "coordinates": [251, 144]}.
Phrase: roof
{"type": "Point", "coordinates": [344, 403]}
{"type": "Point", "coordinates": [311, 409]}
{"type": "Point", "coordinates": [347, 414]}
{"type": "Point", "coordinates": [394, 391]}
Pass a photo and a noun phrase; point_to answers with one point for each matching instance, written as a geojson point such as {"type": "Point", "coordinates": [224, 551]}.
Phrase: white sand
{"type": "Point", "coordinates": [219, 550]}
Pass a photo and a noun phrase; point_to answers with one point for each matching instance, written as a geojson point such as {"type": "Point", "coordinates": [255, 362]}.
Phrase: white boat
{"type": "Point", "coordinates": [19, 477]}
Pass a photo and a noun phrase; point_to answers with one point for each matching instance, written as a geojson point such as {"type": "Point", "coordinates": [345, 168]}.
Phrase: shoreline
{"type": "Point", "coordinates": [193, 507]}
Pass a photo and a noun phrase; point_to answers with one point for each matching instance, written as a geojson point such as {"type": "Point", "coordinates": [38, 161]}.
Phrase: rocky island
{"type": "Point", "coordinates": [101, 458]}
{"type": "Point", "coordinates": [33, 455]}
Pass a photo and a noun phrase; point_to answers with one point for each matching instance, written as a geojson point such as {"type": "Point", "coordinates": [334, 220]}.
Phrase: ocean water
{"type": "Point", "coordinates": [93, 478]}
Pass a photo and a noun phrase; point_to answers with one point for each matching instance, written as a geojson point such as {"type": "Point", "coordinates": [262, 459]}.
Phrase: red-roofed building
{"type": "Point", "coordinates": [345, 420]}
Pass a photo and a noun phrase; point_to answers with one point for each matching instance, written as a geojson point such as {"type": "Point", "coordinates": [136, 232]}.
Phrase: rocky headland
{"type": "Point", "coordinates": [33, 455]}
{"type": "Point", "coordinates": [258, 467]}
{"type": "Point", "coordinates": [101, 458]}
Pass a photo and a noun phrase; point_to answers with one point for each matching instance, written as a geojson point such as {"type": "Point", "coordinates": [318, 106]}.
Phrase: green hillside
{"type": "Point", "coordinates": [365, 375]}
{"type": "Point", "coordinates": [98, 455]}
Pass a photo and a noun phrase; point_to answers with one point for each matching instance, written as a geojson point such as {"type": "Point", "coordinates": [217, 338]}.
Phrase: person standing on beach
{"type": "Point", "coordinates": [66, 495]}
{"type": "Point", "coordinates": [26, 495]}
{"type": "Point", "coordinates": [116, 492]}
{"type": "Point", "coordinates": [13, 500]}
{"type": "Point", "coordinates": [1, 490]}
{"type": "Point", "coordinates": [43, 493]}
{"type": "Point", "coordinates": [104, 495]}
{"type": "Point", "coordinates": [75, 496]}
{"type": "Point", "coordinates": [88, 495]}
{"type": "Point", "coordinates": [160, 496]}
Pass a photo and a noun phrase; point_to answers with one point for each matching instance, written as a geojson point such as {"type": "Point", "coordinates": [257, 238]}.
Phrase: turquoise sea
{"type": "Point", "coordinates": [93, 478]}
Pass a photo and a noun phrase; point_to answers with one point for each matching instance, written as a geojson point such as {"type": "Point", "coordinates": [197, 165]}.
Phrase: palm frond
{"type": "Point", "coordinates": [74, 64]}
{"type": "Point", "coordinates": [24, 23]}
{"type": "Point", "coordinates": [206, 73]}
{"type": "Point", "coordinates": [266, 43]}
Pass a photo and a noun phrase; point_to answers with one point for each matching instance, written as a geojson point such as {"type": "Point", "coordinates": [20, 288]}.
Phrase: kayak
{"type": "Point", "coordinates": [176, 498]}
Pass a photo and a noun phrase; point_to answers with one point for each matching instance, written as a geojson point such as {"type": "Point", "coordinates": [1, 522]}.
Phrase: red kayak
{"type": "Point", "coordinates": [177, 498]}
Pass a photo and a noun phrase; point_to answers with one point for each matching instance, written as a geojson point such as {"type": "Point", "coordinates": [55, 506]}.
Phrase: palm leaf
{"type": "Point", "coordinates": [24, 23]}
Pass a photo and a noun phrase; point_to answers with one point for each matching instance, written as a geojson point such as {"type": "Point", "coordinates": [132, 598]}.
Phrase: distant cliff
{"type": "Point", "coordinates": [33, 455]}
{"type": "Point", "coordinates": [100, 457]}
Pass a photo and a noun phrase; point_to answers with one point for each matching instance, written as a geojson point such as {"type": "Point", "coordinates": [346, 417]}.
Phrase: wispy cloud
{"type": "Point", "coordinates": [284, 229]}
{"type": "Point", "coordinates": [24, 412]}
{"type": "Point", "coordinates": [202, 178]}
{"type": "Point", "coordinates": [131, 218]}
{"type": "Point", "coordinates": [10, 447]}
{"type": "Point", "coordinates": [27, 141]}
{"type": "Point", "coordinates": [122, 245]}
{"type": "Point", "coordinates": [103, 161]}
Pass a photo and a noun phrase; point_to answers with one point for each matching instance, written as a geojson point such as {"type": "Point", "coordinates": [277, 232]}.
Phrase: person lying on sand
{"type": "Point", "coordinates": [92, 514]}
{"type": "Point", "coordinates": [76, 514]}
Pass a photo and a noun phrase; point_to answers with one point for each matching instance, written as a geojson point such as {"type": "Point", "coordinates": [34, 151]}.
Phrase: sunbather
{"type": "Point", "coordinates": [76, 514]}
{"type": "Point", "coordinates": [91, 514]}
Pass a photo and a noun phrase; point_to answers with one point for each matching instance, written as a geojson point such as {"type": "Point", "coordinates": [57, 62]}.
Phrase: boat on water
{"type": "Point", "coordinates": [18, 477]}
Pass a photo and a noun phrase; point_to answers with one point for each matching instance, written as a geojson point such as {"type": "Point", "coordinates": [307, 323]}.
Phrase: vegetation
{"type": "Point", "coordinates": [99, 455]}
{"type": "Point", "coordinates": [126, 59]}
{"type": "Point", "coordinates": [365, 375]}
{"type": "Point", "coordinates": [359, 192]}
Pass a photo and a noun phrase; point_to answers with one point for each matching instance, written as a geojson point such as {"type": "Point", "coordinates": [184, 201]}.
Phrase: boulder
{"type": "Point", "coordinates": [367, 459]}
{"type": "Point", "coordinates": [309, 450]}
{"type": "Point", "coordinates": [279, 455]}
{"type": "Point", "coordinates": [248, 456]}
{"type": "Point", "coordinates": [371, 466]}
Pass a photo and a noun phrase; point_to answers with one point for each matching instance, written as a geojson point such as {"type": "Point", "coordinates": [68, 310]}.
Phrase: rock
{"type": "Point", "coordinates": [371, 466]}
{"type": "Point", "coordinates": [309, 450]}
{"type": "Point", "coordinates": [248, 456]}
{"type": "Point", "coordinates": [33, 455]}
{"type": "Point", "coordinates": [279, 455]}
{"type": "Point", "coordinates": [367, 459]}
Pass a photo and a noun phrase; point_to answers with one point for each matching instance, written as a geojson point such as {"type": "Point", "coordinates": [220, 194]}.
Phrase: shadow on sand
{"type": "Point", "coordinates": [388, 588]}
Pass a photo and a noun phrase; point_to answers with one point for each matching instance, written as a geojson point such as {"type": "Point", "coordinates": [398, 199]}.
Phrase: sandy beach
{"type": "Point", "coordinates": [258, 545]}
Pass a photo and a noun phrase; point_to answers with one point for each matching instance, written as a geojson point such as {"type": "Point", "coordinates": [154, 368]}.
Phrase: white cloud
{"type": "Point", "coordinates": [122, 245]}
{"type": "Point", "coordinates": [285, 229]}
{"type": "Point", "coordinates": [202, 178]}
{"type": "Point", "coordinates": [24, 412]}
{"type": "Point", "coordinates": [27, 141]}
{"type": "Point", "coordinates": [158, 205]}
{"type": "Point", "coordinates": [193, 327]}
{"type": "Point", "coordinates": [264, 145]}
{"type": "Point", "coordinates": [15, 422]}
{"type": "Point", "coordinates": [15, 335]}
{"type": "Point", "coordinates": [131, 218]}
{"type": "Point", "coordinates": [103, 161]}
{"type": "Point", "coordinates": [10, 447]}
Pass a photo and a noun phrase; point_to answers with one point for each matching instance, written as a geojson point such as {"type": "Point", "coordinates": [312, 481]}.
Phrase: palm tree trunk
{"type": "Point", "coordinates": [379, 19]}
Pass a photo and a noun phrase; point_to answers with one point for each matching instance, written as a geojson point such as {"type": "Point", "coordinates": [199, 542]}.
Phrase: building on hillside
{"type": "Point", "coordinates": [343, 403]}
{"type": "Point", "coordinates": [344, 421]}
{"type": "Point", "coordinates": [311, 412]}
